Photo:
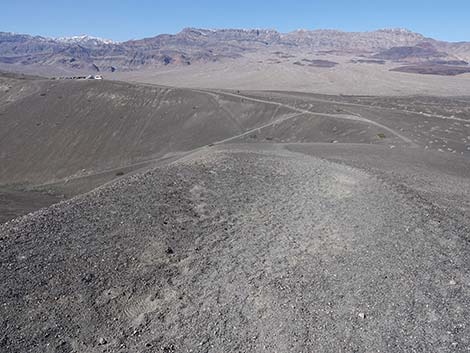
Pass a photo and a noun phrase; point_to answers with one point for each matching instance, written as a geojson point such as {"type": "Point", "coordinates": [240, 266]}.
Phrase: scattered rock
{"type": "Point", "coordinates": [88, 277]}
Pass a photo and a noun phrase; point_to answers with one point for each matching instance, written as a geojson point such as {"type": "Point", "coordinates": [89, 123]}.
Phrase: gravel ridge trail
{"type": "Point", "coordinates": [237, 250]}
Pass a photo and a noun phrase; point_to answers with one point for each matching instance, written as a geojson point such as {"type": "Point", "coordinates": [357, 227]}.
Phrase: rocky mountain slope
{"type": "Point", "coordinates": [201, 45]}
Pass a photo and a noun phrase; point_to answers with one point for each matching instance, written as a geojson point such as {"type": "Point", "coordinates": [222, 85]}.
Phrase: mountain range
{"type": "Point", "coordinates": [192, 45]}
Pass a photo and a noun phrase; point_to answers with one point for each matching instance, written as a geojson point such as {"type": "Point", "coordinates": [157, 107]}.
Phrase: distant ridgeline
{"type": "Point", "coordinates": [83, 54]}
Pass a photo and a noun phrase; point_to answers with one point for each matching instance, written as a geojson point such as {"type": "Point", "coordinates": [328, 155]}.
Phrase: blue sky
{"type": "Point", "coordinates": [124, 19]}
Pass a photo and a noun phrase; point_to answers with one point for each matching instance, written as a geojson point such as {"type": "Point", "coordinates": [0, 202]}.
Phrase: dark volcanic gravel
{"type": "Point", "coordinates": [238, 251]}
{"type": "Point", "coordinates": [434, 69]}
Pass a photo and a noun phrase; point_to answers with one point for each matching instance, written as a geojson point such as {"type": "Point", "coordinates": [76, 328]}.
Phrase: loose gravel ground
{"type": "Point", "coordinates": [238, 250]}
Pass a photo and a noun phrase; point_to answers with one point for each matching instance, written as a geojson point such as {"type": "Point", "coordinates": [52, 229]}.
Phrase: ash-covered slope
{"type": "Point", "coordinates": [51, 130]}
{"type": "Point", "coordinates": [246, 249]}
{"type": "Point", "coordinates": [56, 130]}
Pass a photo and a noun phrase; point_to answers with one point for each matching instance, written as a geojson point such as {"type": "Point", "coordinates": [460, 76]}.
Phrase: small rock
{"type": "Point", "coordinates": [452, 282]}
{"type": "Point", "coordinates": [102, 341]}
{"type": "Point", "coordinates": [362, 315]}
{"type": "Point", "coordinates": [169, 250]}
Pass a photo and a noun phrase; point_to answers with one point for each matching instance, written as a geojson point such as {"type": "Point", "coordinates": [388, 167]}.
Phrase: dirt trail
{"type": "Point", "coordinates": [352, 104]}
{"type": "Point", "coordinates": [273, 123]}
{"type": "Point", "coordinates": [308, 112]}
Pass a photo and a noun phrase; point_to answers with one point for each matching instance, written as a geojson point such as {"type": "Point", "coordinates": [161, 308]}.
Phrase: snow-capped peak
{"type": "Point", "coordinates": [84, 39]}
{"type": "Point", "coordinates": [396, 30]}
